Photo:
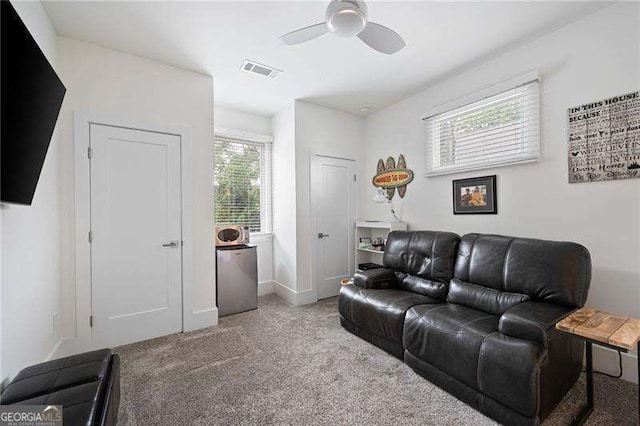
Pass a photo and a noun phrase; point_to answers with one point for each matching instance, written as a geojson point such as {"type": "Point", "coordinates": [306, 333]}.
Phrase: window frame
{"type": "Point", "coordinates": [266, 195]}
{"type": "Point", "coordinates": [465, 101]}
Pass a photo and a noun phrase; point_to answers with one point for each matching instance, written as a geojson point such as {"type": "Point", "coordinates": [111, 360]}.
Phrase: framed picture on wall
{"type": "Point", "coordinates": [475, 195]}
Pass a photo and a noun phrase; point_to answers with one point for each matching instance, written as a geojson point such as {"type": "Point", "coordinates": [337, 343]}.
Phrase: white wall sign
{"type": "Point", "coordinates": [604, 140]}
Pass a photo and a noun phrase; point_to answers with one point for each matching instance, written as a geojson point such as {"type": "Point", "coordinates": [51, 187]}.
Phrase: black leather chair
{"type": "Point", "coordinates": [492, 342]}
{"type": "Point", "coordinates": [86, 385]}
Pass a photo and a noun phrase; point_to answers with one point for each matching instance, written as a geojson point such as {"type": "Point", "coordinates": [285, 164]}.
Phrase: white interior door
{"type": "Point", "coordinates": [334, 191]}
{"type": "Point", "coordinates": [136, 247]}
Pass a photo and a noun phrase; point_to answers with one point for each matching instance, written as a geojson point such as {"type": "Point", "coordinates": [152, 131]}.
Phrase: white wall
{"type": "Point", "coordinates": [319, 131]}
{"type": "Point", "coordinates": [113, 84]}
{"type": "Point", "coordinates": [239, 120]}
{"type": "Point", "coordinates": [284, 201]}
{"type": "Point", "coordinates": [30, 287]}
{"type": "Point", "coordinates": [595, 58]}
{"type": "Point", "coordinates": [228, 118]}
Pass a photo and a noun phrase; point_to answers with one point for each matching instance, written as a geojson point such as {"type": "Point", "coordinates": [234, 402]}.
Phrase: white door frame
{"type": "Point", "coordinates": [314, 218]}
{"type": "Point", "coordinates": [81, 340]}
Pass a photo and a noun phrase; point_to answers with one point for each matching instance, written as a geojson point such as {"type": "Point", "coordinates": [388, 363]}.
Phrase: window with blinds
{"type": "Point", "coordinates": [499, 130]}
{"type": "Point", "coordinates": [241, 183]}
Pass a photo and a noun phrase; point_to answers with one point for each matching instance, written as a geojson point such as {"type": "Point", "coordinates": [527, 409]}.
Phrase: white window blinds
{"type": "Point", "coordinates": [241, 183]}
{"type": "Point", "coordinates": [498, 130]}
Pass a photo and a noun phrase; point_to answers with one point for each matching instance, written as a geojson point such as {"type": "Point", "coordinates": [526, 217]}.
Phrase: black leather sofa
{"type": "Point", "coordinates": [475, 315]}
{"type": "Point", "coordinates": [86, 385]}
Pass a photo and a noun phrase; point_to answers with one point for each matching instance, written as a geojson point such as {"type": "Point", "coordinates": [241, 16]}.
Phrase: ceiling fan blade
{"type": "Point", "coordinates": [304, 34]}
{"type": "Point", "coordinates": [381, 38]}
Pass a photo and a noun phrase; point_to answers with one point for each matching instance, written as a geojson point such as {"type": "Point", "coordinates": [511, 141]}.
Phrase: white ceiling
{"type": "Point", "coordinates": [216, 37]}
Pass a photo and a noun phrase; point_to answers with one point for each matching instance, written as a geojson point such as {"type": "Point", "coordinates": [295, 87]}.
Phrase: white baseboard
{"type": "Point", "coordinates": [73, 345]}
{"type": "Point", "coordinates": [202, 319]}
{"type": "Point", "coordinates": [296, 298]}
{"type": "Point", "coordinates": [606, 360]}
{"type": "Point", "coordinates": [265, 287]}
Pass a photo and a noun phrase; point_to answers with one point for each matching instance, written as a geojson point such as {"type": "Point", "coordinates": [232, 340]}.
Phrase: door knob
{"type": "Point", "coordinates": [171, 244]}
{"type": "Point", "coordinates": [321, 235]}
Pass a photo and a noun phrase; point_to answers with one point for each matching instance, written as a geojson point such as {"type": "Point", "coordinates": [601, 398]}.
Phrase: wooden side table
{"type": "Point", "coordinates": [604, 329]}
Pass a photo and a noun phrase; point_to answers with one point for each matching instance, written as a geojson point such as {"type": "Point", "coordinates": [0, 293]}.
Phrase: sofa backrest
{"type": "Point", "coordinates": [422, 260]}
{"type": "Point", "coordinates": [546, 271]}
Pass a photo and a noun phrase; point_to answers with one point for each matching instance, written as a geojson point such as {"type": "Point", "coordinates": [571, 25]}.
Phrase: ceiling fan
{"type": "Point", "coordinates": [347, 18]}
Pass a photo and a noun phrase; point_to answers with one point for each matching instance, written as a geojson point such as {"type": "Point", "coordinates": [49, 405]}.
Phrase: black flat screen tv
{"type": "Point", "coordinates": [32, 96]}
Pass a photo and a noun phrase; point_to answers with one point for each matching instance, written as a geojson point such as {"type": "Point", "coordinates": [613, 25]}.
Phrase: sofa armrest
{"type": "Point", "coordinates": [379, 278]}
{"type": "Point", "coordinates": [532, 320]}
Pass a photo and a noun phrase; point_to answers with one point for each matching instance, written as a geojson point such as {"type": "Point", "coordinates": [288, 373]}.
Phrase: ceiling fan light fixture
{"type": "Point", "coordinates": [346, 18]}
{"type": "Point", "coordinates": [347, 23]}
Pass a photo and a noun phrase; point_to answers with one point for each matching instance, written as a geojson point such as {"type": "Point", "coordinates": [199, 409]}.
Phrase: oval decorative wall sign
{"type": "Point", "coordinates": [391, 165]}
{"type": "Point", "coordinates": [402, 165]}
{"type": "Point", "coordinates": [391, 176]}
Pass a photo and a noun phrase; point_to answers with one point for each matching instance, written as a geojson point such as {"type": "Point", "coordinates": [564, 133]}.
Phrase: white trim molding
{"type": "Point", "coordinates": [191, 319]}
{"type": "Point", "coordinates": [483, 93]}
{"type": "Point", "coordinates": [296, 298]}
{"type": "Point", "coordinates": [265, 287]}
{"type": "Point", "coordinates": [201, 319]}
{"type": "Point", "coordinates": [241, 135]}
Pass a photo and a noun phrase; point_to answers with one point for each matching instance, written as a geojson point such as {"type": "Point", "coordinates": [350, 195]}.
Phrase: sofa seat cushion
{"type": "Point", "coordinates": [379, 311]}
{"type": "Point", "coordinates": [449, 337]}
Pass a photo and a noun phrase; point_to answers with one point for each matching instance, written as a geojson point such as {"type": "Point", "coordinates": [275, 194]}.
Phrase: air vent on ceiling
{"type": "Point", "coordinates": [256, 68]}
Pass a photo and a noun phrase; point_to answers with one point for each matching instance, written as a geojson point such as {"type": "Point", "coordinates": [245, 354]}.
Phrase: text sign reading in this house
{"type": "Point", "coordinates": [604, 140]}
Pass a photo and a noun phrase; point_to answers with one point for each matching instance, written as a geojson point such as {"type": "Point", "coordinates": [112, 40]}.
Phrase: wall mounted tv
{"type": "Point", "coordinates": [31, 95]}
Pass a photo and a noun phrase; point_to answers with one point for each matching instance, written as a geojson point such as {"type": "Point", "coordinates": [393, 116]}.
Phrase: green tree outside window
{"type": "Point", "coordinates": [237, 183]}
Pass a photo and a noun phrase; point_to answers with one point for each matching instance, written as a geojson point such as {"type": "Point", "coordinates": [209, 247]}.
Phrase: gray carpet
{"type": "Point", "coordinates": [286, 365]}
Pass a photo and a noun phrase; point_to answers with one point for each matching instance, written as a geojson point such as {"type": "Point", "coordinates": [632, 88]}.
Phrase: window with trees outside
{"type": "Point", "coordinates": [497, 130]}
{"type": "Point", "coordinates": [241, 182]}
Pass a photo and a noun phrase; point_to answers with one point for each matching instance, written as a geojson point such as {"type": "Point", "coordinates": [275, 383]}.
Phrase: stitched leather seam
{"type": "Point", "coordinates": [70, 386]}
{"type": "Point", "coordinates": [450, 332]}
{"type": "Point", "coordinates": [54, 389]}
{"type": "Point", "coordinates": [518, 317]}
{"type": "Point", "coordinates": [478, 385]}
{"type": "Point", "coordinates": [504, 265]}
{"type": "Point", "coordinates": [394, 299]}
{"type": "Point", "coordinates": [444, 305]}
{"type": "Point", "coordinates": [389, 305]}
{"type": "Point", "coordinates": [64, 366]}
{"type": "Point", "coordinates": [474, 320]}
